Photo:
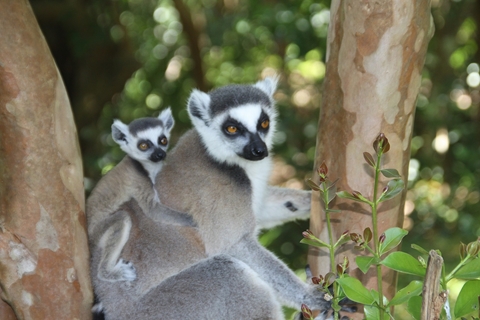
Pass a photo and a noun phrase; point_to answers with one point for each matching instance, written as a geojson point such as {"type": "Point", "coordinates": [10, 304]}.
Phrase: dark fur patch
{"type": "Point", "coordinates": [142, 124]}
{"type": "Point", "coordinates": [289, 205]}
{"type": "Point", "coordinates": [195, 110]}
{"type": "Point", "coordinates": [169, 123]}
{"type": "Point", "coordinates": [138, 166]}
{"type": "Point", "coordinates": [118, 135]}
{"type": "Point", "coordinates": [235, 172]}
{"type": "Point", "coordinates": [236, 95]}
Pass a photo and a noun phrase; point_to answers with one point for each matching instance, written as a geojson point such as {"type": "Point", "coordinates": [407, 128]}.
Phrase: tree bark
{"type": "Point", "coordinates": [44, 272]}
{"type": "Point", "coordinates": [193, 36]}
{"type": "Point", "coordinates": [375, 55]}
{"type": "Point", "coordinates": [433, 300]}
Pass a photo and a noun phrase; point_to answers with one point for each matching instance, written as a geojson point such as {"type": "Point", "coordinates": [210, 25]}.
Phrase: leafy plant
{"type": "Point", "coordinates": [376, 306]}
{"type": "Point", "coordinates": [327, 191]}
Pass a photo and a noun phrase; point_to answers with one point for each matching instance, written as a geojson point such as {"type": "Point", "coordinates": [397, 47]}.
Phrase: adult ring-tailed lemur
{"type": "Point", "coordinates": [217, 173]}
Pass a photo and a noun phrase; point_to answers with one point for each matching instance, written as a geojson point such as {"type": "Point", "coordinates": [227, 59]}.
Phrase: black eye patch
{"type": "Point", "coordinates": [142, 143]}
{"type": "Point", "coordinates": [227, 128]}
{"type": "Point", "coordinates": [263, 122]}
{"type": "Point", "coordinates": [162, 140]}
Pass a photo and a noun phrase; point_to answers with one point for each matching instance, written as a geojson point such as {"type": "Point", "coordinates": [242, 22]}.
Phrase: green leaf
{"type": "Point", "coordinates": [394, 187]}
{"type": "Point", "coordinates": [334, 210]}
{"type": "Point", "coordinates": [376, 296]}
{"type": "Point", "coordinates": [327, 185]}
{"type": "Point", "coordinates": [312, 185]}
{"type": "Point", "coordinates": [404, 263]}
{"type": "Point", "coordinates": [414, 307]}
{"type": "Point", "coordinates": [419, 249]}
{"type": "Point", "coordinates": [467, 300]}
{"type": "Point", "coordinates": [315, 243]}
{"type": "Point", "coordinates": [355, 290]}
{"type": "Point", "coordinates": [364, 263]}
{"type": "Point", "coordinates": [469, 271]}
{"type": "Point", "coordinates": [371, 312]}
{"type": "Point", "coordinates": [393, 237]}
{"type": "Point", "coordinates": [413, 289]}
{"type": "Point", "coordinates": [369, 158]}
{"type": "Point", "coordinates": [347, 195]}
{"type": "Point", "coordinates": [331, 193]}
{"type": "Point", "coordinates": [344, 238]}
{"type": "Point", "coordinates": [390, 173]}
{"type": "Point", "coordinates": [367, 235]}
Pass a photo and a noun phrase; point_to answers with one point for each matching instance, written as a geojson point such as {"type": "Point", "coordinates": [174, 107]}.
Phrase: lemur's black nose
{"type": "Point", "coordinates": [256, 149]}
{"type": "Point", "coordinates": [157, 155]}
{"type": "Point", "coordinates": [259, 150]}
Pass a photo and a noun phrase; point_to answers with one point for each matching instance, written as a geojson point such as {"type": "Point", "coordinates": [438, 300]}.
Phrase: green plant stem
{"type": "Point", "coordinates": [370, 250]}
{"type": "Point", "coordinates": [452, 274]}
{"type": "Point", "coordinates": [331, 249]}
{"type": "Point", "coordinates": [375, 232]}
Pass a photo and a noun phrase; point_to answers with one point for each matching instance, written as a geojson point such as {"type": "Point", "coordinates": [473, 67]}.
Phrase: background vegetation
{"type": "Point", "coordinates": [131, 58]}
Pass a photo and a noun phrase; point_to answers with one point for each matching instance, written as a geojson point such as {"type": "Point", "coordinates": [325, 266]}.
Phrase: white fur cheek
{"type": "Point", "coordinates": [215, 146]}
{"type": "Point", "coordinates": [215, 143]}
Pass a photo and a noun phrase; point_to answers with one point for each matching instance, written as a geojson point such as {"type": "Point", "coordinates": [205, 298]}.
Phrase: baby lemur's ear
{"type": "Point", "coordinates": [120, 132]}
{"type": "Point", "coordinates": [268, 85]}
{"type": "Point", "coordinates": [198, 107]}
{"type": "Point", "coordinates": [167, 119]}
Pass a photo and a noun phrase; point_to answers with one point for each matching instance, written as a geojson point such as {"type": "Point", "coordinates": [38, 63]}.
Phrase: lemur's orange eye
{"type": "Point", "coordinates": [164, 141]}
{"type": "Point", "coordinates": [143, 146]}
{"type": "Point", "coordinates": [232, 129]}
{"type": "Point", "coordinates": [265, 124]}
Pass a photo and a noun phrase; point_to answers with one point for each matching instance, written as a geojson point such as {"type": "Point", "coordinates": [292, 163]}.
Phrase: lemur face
{"type": "Point", "coordinates": [145, 139]}
{"type": "Point", "coordinates": [237, 121]}
{"type": "Point", "coordinates": [244, 130]}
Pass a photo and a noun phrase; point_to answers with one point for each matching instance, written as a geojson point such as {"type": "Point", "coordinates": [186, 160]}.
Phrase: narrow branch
{"type": "Point", "coordinates": [193, 36]}
{"type": "Point", "coordinates": [433, 299]}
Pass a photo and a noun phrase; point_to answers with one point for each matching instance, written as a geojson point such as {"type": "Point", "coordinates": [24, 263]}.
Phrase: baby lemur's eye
{"type": "Point", "coordinates": [143, 146]}
{"type": "Point", "coordinates": [232, 129]}
{"type": "Point", "coordinates": [265, 124]}
{"type": "Point", "coordinates": [163, 141]}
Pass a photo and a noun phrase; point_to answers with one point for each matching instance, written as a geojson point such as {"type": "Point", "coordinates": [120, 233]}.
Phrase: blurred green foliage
{"type": "Point", "coordinates": [131, 58]}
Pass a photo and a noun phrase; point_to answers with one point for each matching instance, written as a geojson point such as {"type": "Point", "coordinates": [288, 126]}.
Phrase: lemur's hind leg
{"type": "Point", "coordinates": [117, 231]}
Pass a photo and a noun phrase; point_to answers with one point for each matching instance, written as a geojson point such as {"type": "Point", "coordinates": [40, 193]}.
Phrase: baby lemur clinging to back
{"type": "Point", "coordinates": [145, 142]}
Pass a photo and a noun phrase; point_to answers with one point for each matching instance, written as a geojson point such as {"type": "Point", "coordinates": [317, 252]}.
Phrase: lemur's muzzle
{"type": "Point", "coordinates": [157, 155]}
{"type": "Point", "coordinates": [256, 149]}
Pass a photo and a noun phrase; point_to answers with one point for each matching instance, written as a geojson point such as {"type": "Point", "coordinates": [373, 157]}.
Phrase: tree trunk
{"type": "Point", "coordinates": [44, 272]}
{"type": "Point", "coordinates": [376, 51]}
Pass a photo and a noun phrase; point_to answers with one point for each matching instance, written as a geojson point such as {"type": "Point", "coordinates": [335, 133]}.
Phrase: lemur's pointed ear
{"type": "Point", "coordinates": [120, 132]}
{"type": "Point", "coordinates": [167, 119]}
{"type": "Point", "coordinates": [268, 85]}
{"type": "Point", "coordinates": [199, 107]}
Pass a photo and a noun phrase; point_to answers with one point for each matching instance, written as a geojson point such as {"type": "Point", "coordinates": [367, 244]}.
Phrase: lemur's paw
{"type": "Point", "coordinates": [299, 203]}
{"type": "Point", "coordinates": [126, 270]}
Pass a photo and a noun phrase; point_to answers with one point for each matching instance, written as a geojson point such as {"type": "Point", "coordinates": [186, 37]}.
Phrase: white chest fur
{"type": "Point", "coordinates": [258, 173]}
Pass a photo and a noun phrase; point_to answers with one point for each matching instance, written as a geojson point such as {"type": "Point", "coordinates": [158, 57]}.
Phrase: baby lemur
{"type": "Point", "coordinates": [145, 141]}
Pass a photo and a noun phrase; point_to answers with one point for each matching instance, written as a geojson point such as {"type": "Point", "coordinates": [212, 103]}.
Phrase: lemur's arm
{"type": "Point", "coordinates": [287, 286]}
